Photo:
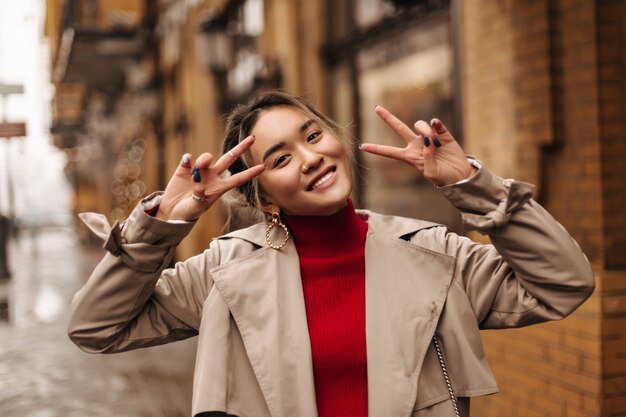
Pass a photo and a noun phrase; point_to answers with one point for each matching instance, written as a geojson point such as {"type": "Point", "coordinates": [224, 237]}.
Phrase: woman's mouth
{"type": "Point", "coordinates": [324, 181]}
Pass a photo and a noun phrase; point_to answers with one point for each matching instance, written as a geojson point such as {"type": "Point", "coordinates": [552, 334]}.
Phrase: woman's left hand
{"type": "Point", "coordinates": [431, 149]}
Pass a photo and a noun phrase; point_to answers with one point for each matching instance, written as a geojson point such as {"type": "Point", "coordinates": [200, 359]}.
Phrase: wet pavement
{"type": "Point", "coordinates": [42, 374]}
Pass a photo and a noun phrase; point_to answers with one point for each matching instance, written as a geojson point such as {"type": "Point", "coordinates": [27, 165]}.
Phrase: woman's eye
{"type": "Point", "coordinates": [313, 136]}
{"type": "Point", "coordinates": [280, 160]}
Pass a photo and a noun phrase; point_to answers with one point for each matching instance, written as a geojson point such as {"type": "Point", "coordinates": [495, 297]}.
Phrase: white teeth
{"type": "Point", "coordinates": [322, 180]}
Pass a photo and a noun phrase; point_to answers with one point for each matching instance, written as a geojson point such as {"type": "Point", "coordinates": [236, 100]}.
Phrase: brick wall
{"type": "Point", "coordinates": [489, 94]}
{"type": "Point", "coordinates": [572, 182]}
{"type": "Point", "coordinates": [532, 83]}
{"type": "Point", "coordinates": [567, 120]}
{"type": "Point", "coordinates": [611, 57]}
{"type": "Point", "coordinates": [611, 79]}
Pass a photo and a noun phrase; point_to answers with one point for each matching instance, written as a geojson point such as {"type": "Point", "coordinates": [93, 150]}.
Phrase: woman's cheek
{"type": "Point", "coordinates": [290, 181]}
{"type": "Point", "coordinates": [280, 182]}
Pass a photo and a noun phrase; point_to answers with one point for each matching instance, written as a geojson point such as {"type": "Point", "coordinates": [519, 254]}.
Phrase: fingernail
{"type": "Point", "coordinates": [426, 141]}
{"type": "Point", "coordinates": [375, 105]}
{"type": "Point", "coordinates": [186, 160]}
{"type": "Point", "coordinates": [360, 145]}
{"type": "Point", "coordinates": [436, 124]}
{"type": "Point", "coordinates": [196, 174]}
{"type": "Point", "coordinates": [436, 141]}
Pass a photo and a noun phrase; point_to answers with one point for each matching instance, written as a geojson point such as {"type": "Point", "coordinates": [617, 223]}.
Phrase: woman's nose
{"type": "Point", "coordinates": [311, 161]}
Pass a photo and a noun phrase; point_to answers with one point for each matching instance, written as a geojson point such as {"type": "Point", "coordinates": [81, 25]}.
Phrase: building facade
{"type": "Point", "coordinates": [535, 89]}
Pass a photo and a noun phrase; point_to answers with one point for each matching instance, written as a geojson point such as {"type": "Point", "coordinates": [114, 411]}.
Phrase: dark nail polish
{"type": "Point", "coordinates": [186, 160]}
{"type": "Point", "coordinates": [436, 141]}
{"type": "Point", "coordinates": [426, 141]}
{"type": "Point", "coordinates": [196, 174]}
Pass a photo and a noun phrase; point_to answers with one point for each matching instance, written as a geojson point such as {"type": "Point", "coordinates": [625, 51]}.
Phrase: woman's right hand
{"type": "Point", "coordinates": [178, 203]}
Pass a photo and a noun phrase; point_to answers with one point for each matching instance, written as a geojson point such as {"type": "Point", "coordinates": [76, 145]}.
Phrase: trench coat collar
{"type": "Point", "coordinates": [406, 287]}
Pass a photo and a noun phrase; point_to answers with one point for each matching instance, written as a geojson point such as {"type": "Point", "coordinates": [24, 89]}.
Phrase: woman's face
{"type": "Point", "coordinates": [307, 169]}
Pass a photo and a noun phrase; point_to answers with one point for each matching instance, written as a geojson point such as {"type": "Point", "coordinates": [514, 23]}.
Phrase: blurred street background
{"type": "Point", "coordinates": [43, 375]}
{"type": "Point", "coordinates": [99, 99]}
{"type": "Point", "coordinates": [44, 262]}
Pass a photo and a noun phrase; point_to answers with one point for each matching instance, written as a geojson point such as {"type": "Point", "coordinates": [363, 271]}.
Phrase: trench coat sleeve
{"type": "Point", "coordinates": [533, 270]}
{"type": "Point", "coordinates": [131, 300]}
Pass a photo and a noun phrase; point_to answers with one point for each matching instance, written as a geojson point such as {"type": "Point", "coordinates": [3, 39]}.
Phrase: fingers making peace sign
{"type": "Point", "coordinates": [195, 187]}
{"type": "Point", "coordinates": [430, 149]}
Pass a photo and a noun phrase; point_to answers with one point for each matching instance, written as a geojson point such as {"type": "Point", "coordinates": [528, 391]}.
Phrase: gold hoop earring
{"type": "Point", "coordinates": [276, 222]}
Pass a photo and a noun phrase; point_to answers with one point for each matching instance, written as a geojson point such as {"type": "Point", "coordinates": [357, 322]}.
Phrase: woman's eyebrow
{"type": "Point", "coordinates": [279, 145]}
{"type": "Point", "coordinates": [272, 149]}
{"type": "Point", "coordinates": [306, 124]}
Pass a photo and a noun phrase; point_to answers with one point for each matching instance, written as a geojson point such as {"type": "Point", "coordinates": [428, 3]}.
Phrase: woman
{"type": "Point", "coordinates": [323, 310]}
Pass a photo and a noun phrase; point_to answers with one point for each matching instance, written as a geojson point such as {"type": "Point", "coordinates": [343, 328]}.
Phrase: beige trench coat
{"type": "Point", "coordinates": [245, 302]}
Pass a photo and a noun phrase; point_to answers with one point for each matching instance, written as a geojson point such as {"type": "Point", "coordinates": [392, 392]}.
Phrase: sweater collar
{"type": "Point", "coordinates": [323, 236]}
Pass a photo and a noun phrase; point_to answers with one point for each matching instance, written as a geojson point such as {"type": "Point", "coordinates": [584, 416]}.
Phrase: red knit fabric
{"type": "Point", "coordinates": [332, 264]}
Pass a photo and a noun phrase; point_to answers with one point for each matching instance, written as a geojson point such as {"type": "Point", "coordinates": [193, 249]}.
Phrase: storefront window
{"type": "Point", "coordinates": [411, 72]}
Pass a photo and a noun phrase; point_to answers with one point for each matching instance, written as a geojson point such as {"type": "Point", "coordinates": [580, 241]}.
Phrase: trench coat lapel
{"type": "Point", "coordinates": [406, 288]}
{"type": "Point", "coordinates": [264, 294]}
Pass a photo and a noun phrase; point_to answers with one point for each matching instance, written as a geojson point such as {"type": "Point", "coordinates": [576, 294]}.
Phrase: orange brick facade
{"type": "Point", "coordinates": [558, 71]}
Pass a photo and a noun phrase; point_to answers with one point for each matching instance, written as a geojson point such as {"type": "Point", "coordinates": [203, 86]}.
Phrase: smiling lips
{"type": "Point", "coordinates": [318, 182]}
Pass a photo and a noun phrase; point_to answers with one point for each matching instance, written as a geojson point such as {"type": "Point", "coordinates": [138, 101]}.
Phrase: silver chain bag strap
{"type": "Point", "coordinates": [446, 376]}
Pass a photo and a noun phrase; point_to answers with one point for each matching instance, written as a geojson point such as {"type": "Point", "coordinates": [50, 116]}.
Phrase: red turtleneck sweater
{"type": "Point", "coordinates": [332, 264]}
